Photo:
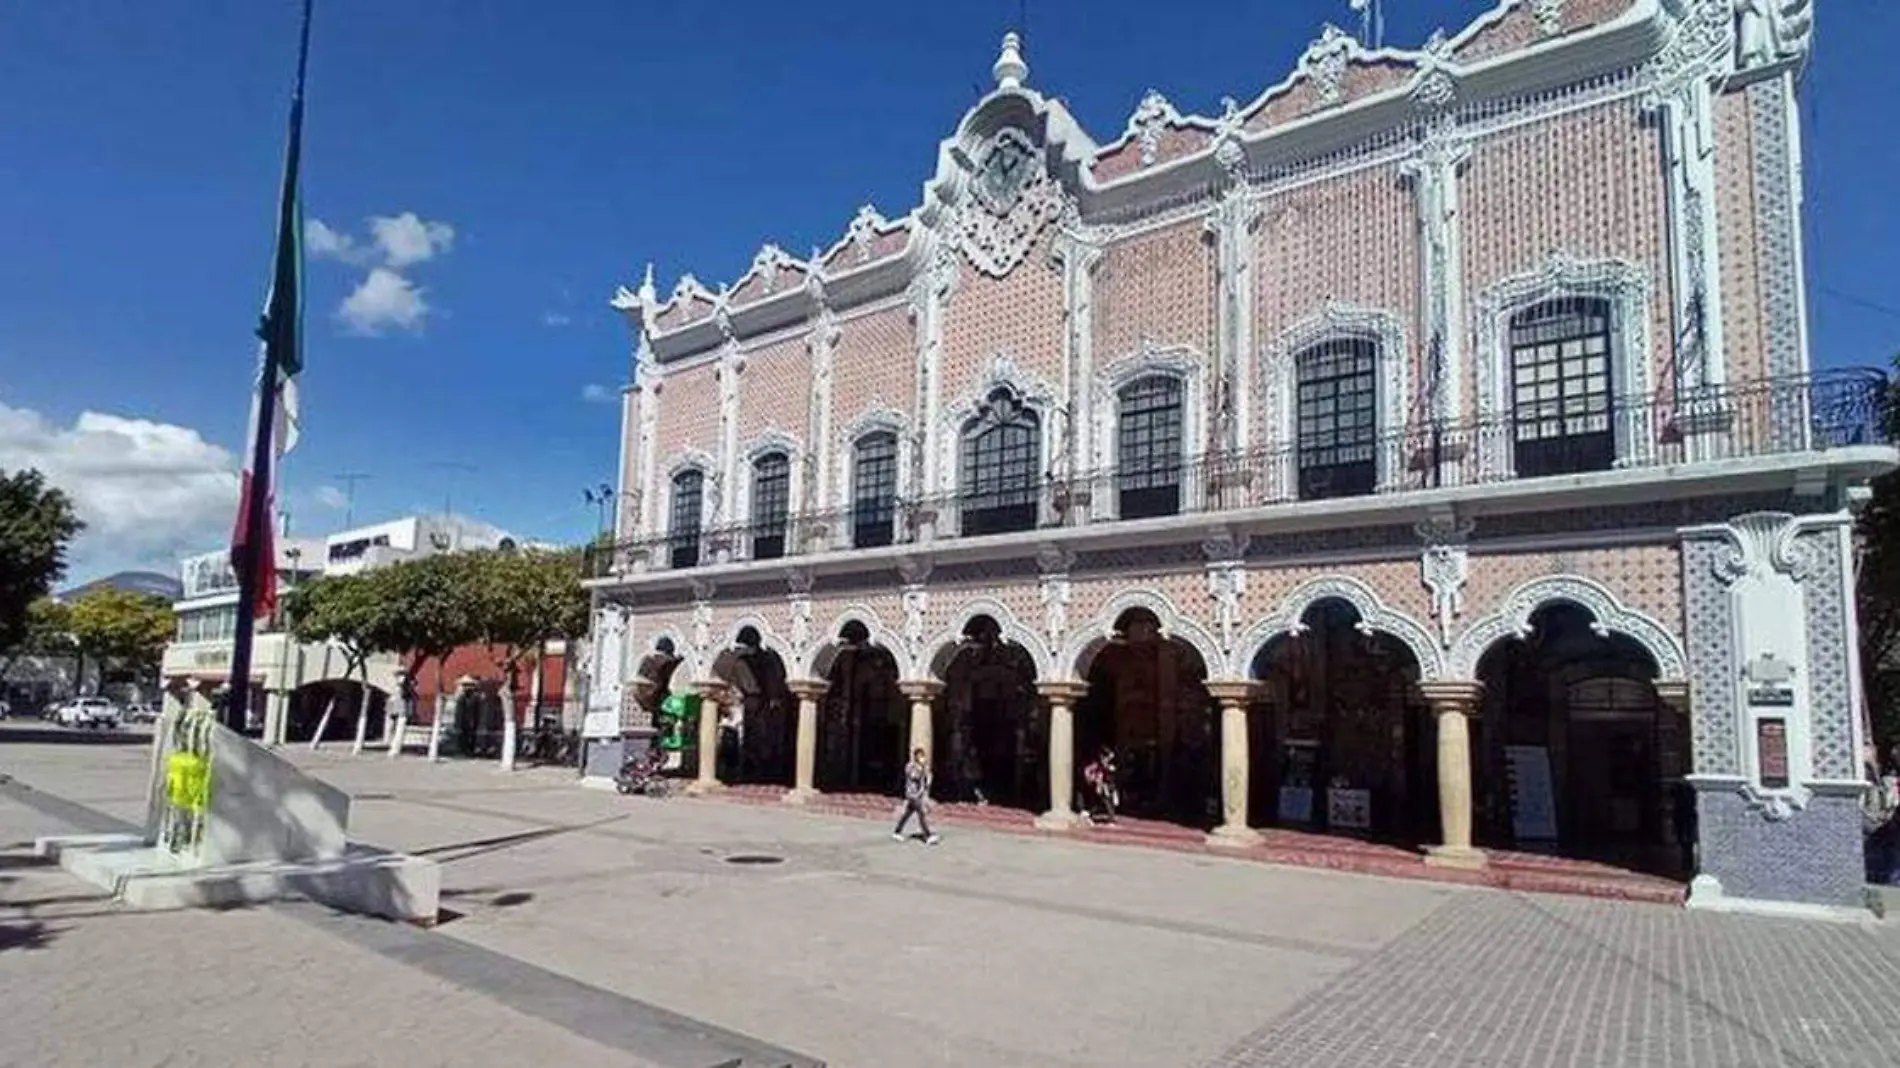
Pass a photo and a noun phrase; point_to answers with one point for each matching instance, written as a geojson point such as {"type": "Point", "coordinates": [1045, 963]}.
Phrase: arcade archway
{"type": "Point", "coordinates": [343, 699]}
{"type": "Point", "coordinates": [1578, 754]}
{"type": "Point", "coordinates": [863, 717]}
{"type": "Point", "coordinates": [989, 731]}
{"type": "Point", "coordinates": [758, 731]}
{"type": "Point", "coordinates": [1147, 698]}
{"type": "Point", "coordinates": [1341, 741]}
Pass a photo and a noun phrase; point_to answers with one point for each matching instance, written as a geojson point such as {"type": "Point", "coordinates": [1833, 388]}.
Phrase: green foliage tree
{"type": "Point", "coordinates": [430, 615]}
{"type": "Point", "coordinates": [1879, 587]}
{"type": "Point", "coordinates": [351, 613]}
{"type": "Point", "coordinates": [48, 633]}
{"type": "Point", "coordinates": [520, 601]}
{"type": "Point", "coordinates": [120, 628]}
{"type": "Point", "coordinates": [36, 525]}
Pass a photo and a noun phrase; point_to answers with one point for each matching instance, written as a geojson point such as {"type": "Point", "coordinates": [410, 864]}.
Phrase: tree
{"type": "Point", "coordinates": [521, 601]}
{"type": "Point", "coordinates": [1879, 587]}
{"type": "Point", "coordinates": [48, 633]}
{"type": "Point", "coordinates": [118, 625]}
{"type": "Point", "coordinates": [350, 613]}
{"type": "Point", "coordinates": [36, 525]}
{"type": "Point", "coordinates": [430, 616]}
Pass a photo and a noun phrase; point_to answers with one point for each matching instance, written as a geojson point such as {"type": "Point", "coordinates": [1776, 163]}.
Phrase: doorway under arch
{"type": "Point", "coordinates": [989, 733]}
{"type": "Point", "coordinates": [342, 697]}
{"type": "Point", "coordinates": [758, 734]}
{"type": "Point", "coordinates": [863, 717]}
{"type": "Point", "coordinates": [1346, 744]}
{"type": "Point", "coordinates": [1147, 698]}
{"type": "Point", "coordinates": [1579, 756]}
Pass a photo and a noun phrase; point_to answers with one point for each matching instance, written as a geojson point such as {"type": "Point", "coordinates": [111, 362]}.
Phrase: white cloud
{"type": "Point", "coordinates": [385, 299]}
{"type": "Point", "coordinates": [149, 492]}
{"type": "Point", "coordinates": [554, 318]}
{"type": "Point", "coordinates": [331, 497]}
{"type": "Point", "coordinates": [406, 239]}
{"type": "Point", "coordinates": [595, 393]}
{"type": "Point", "coordinates": [327, 244]}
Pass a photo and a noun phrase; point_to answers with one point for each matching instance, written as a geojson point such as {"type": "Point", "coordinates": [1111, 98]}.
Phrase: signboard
{"type": "Point", "coordinates": [1348, 810]}
{"type": "Point", "coordinates": [601, 723]}
{"type": "Point", "coordinates": [212, 658]}
{"type": "Point", "coordinates": [1296, 804]}
{"type": "Point", "coordinates": [1770, 682]}
{"type": "Point", "coordinates": [1299, 759]}
{"type": "Point", "coordinates": [1771, 750]}
{"type": "Point", "coordinates": [1533, 800]}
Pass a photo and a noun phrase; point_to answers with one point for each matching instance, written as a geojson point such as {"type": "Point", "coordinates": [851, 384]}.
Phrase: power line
{"type": "Point", "coordinates": [1860, 302]}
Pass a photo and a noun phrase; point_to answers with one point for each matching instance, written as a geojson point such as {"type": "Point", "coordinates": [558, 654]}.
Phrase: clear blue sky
{"type": "Point", "coordinates": [566, 144]}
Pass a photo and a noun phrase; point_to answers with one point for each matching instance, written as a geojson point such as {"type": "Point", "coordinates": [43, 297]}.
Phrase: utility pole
{"type": "Point", "coordinates": [448, 499]}
{"type": "Point", "coordinates": [349, 480]}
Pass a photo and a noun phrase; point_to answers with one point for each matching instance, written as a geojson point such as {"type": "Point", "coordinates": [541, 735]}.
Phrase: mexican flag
{"type": "Point", "coordinates": [253, 548]}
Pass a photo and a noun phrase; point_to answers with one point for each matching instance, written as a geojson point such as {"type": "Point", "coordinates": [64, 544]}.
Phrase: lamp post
{"type": "Point", "coordinates": [602, 498]}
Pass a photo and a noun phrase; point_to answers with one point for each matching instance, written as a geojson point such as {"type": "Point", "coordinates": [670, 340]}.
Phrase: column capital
{"type": "Point", "coordinates": [1453, 695]}
{"type": "Point", "coordinates": [807, 689]}
{"type": "Point", "coordinates": [1675, 694]}
{"type": "Point", "coordinates": [920, 689]}
{"type": "Point", "coordinates": [1234, 693]}
{"type": "Point", "coordinates": [1065, 691]}
{"type": "Point", "coordinates": [714, 691]}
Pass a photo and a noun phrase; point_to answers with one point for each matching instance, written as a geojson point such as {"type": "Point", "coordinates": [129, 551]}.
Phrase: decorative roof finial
{"type": "Point", "coordinates": [1010, 69]}
{"type": "Point", "coordinates": [649, 295]}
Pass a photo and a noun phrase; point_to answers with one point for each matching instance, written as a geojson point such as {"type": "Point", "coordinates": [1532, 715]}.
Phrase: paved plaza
{"type": "Point", "coordinates": [589, 929]}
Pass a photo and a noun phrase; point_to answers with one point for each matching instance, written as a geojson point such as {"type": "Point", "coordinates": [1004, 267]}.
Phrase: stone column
{"type": "Point", "coordinates": [804, 778]}
{"type": "Point", "coordinates": [922, 695]}
{"type": "Point", "coordinates": [1235, 698]}
{"type": "Point", "coordinates": [1453, 705]}
{"type": "Point", "coordinates": [711, 696]}
{"type": "Point", "coordinates": [1062, 697]}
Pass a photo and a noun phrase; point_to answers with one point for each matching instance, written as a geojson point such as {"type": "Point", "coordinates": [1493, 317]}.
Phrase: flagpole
{"type": "Point", "coordinates": [279, 319]}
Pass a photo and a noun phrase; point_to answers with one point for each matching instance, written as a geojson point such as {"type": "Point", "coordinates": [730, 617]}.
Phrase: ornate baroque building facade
{"type": "Point", "coordinates": [1428, 448]}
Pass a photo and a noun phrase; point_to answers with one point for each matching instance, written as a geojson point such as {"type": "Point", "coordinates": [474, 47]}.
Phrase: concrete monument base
{"type": "Point", "coordinates": [364, 880]}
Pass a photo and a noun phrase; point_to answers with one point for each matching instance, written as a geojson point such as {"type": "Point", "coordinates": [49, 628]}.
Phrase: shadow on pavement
{"type": "Point", "coordinates": [484, 846]}
{"type": "Point", "coordinates": [28, 934]}
{"type": "Point", "coordinates": [35, 734]}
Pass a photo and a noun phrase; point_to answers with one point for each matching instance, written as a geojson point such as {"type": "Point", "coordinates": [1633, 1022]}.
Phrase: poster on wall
{"type": "Point", "coordinates": [1348, 810]}
{"type": "Point", "coordinates": [1298, 763]}
{"type": "Point", "coordinates": [1533, 799]}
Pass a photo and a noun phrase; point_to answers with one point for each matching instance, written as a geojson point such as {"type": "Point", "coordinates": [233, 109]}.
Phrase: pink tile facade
{"type": "Point", "coordinates": [1587, 183]}
{"type": "Point", "coordinates": [874, 366]}
{"type": "Point", "coordinates": [1171, 143]}
{"type": "Point", "coordinates": [1019, 316]}
{"type": "Point", "coordinates": [1157, 287]}
{"type": "Point", "coordinates": [775, 389]}
{"type": "Point", "coordinates": [1744, 331]}
{"type": "Point", "coordinates": [1519, 28]}
{"type": "Point", "coordinates": [689, 412]}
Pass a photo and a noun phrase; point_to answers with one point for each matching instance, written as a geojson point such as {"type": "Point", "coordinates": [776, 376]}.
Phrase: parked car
{"type": "Point", "coordinates": [95, 712]}
{"type": "Point", "coordinates": [140, 712]}
{"type": "Point", "coordinates": [6, 710]}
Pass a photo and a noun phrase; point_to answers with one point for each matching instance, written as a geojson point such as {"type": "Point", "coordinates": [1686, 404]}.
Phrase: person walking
{"type": "Point", "coordinates": [916, 797]}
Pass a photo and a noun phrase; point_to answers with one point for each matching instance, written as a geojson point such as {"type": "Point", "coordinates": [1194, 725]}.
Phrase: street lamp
{"type": "Point", "coordinates": [601, 497]}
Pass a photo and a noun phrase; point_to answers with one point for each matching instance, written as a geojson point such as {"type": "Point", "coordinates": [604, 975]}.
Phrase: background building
{"type": "Point", "coordinates": [1426, 448]}
{"type": "Point", "coordinates": [292, 683]}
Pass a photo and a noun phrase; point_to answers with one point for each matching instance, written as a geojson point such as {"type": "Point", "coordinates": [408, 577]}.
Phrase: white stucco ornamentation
{"type": "Point", "coordinates": [1609, 616]}
{"type": "Point", "coordinates": [1433, 170]}
{"type": "Point", "coordinates": [1325, 62]}
{"type": "Point", "coordinates": [1226, 584]}
{"type": "Point", "coordinates": [1180, 362]}
{"type": "Point", "coordinates": [1152, 116]}
{"type": "Point", "coordinates": [1549, 15]}
{"type": "Point", "coordinates": [1626, 288]}
{"type": "Point", "coordinates": [1444, 566]}
{"type": "Point", "coordinates": [1087, 639]}
{"type": "Point", "coordinates": [702, 625]}
{"type": "Point", "coordinates": [1052, 564]}
{"type": "Point", "coordinates": [1374, 618]}
{"type": "Point", "coordinates": [996, 237]}
{"type": "Point", "coordinates": [1768, 32]}
{"type": "Point", "coordinates": [1434, 88]}
{"type": "Point", "coordinates": [942, 646]}
{"type": "Point", "coordinates": [1035, 392]}
{"type": "Point", "coordinates": [816, 663]}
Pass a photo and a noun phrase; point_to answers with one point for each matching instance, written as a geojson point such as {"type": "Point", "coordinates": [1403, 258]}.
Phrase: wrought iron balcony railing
{"type": "Point", "coordinates": [1580, 435]}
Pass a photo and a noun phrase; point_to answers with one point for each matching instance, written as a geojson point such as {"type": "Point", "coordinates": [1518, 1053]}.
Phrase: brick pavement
{"type": "Point", "coordinates": [990, 951]}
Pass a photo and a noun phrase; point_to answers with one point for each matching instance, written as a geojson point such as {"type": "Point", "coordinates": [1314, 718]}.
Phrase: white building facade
{"type": "Point", "coordinates": [1429, 448]}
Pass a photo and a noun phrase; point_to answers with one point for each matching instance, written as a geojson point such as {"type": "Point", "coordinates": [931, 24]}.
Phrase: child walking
{"type": "Point", "coordinates": [916, 797]}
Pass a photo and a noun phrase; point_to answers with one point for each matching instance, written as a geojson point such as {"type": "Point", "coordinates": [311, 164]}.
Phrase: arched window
{"type": "Point", "coordinates": [1001, 450]}
{"type": "Point", "coordinates": [1148, 448]}
{"type": "Point", "coordinates": [1338, 413]}
{"type": "Point", "coordinates": [771, 503]}
{"type": "Point", "coordinates": [874, 490]}
{"type": "Point", "coordinates": [689, 500]}
{"type": "Point", "coordinates": [1561, 405]}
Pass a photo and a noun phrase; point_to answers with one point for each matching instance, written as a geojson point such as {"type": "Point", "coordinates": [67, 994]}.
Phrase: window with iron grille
{"type": "Point", "coordinates": [1148, 448]}
{"type": "Point", "coordinates": [771, 502]}
{"type": "Point", "coordinates": [874, 491]}
{"type": "Point", "coordinates": [1338, 415]}
{"type": "Point", "coordinates": [1560, 387]}
{"type": "Point", "coordinates": [689, 498]}
{"type": "Point", "coordinates": [1001, 454]}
